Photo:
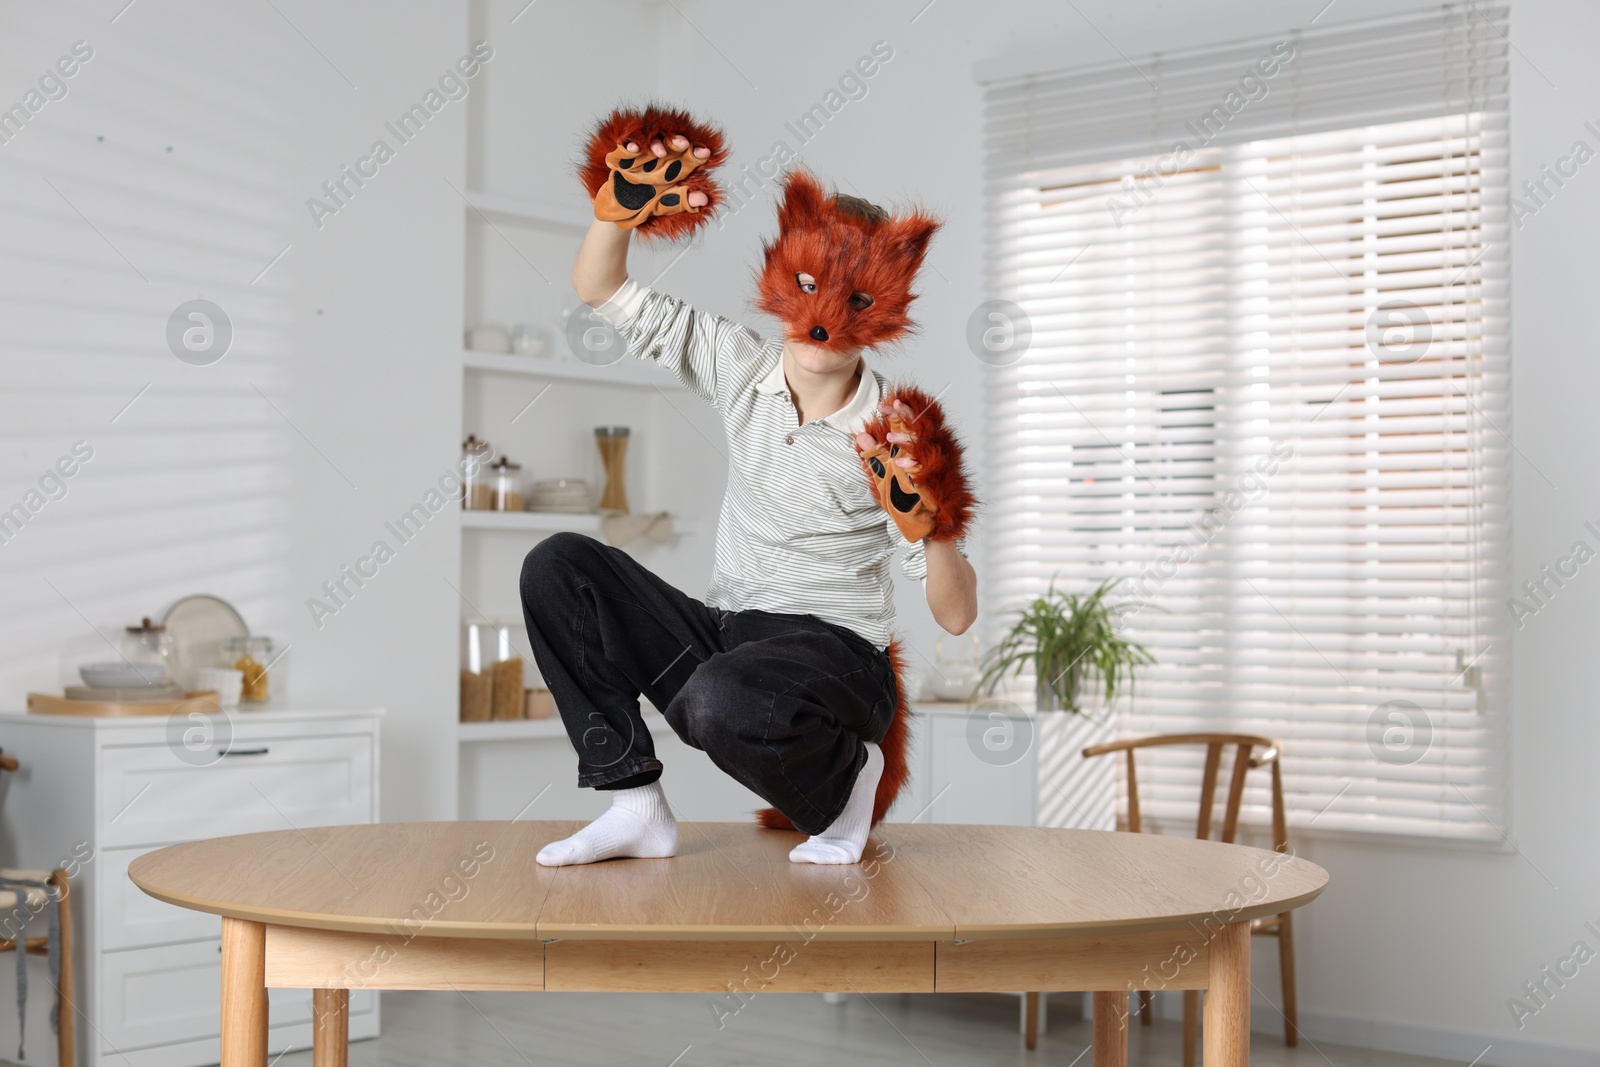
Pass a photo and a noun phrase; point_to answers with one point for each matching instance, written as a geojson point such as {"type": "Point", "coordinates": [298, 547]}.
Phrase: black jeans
{"type": "Point", "coordinates": [782, 703]}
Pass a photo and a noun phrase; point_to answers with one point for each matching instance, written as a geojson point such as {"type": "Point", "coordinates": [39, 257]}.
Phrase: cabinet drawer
{"type": "Point", "coordinates": [148, 796]}
{"type": "Point", "coordinates": [131, 918]}
{"type": "Point", "coordinates": [171, 994]}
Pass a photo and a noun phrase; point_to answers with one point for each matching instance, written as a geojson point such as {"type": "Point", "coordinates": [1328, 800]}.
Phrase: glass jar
{"type": "Point", "coordinates": [507, 484]}
{"type": "Point", "coordinates": [144, 659]}
{"type": "Point", "coordinates": [477, 492]}
{"type": "Point", "coordinates": [486, 642]}
{"type": "Point", "coordinates": [491, 671]}
{"type": "Point", "coordinates": [255, 656]}
{"type": "Point", "coordinates": [613, 444]}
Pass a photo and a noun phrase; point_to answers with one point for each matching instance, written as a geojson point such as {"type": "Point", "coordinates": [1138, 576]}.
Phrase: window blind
{"type": "Point", "coordinates": [1265, 384]}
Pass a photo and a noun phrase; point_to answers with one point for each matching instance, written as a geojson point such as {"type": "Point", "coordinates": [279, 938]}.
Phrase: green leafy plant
{"type": "Point", "coordinates": [1069, 639]}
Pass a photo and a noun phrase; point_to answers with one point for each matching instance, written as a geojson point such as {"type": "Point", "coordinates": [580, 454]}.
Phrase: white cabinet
{"type": "Point", "coordinates": [93, 794]}
{"type": "Point", "coordinates": [997, 764]}
{"type": "Point", "coordinates": [967, 768]}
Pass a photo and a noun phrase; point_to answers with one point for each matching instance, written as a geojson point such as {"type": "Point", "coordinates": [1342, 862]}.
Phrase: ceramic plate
{"type": "Point", "coordinates": [201, 627]}
{"type": "Point", "coordinates": [122, 675]}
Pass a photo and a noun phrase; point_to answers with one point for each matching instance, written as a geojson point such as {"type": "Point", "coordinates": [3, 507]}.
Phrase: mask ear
{"type": "Point", "coordinates": [803, 200]}
{"type": "Point", "coordinates": [912, 233]}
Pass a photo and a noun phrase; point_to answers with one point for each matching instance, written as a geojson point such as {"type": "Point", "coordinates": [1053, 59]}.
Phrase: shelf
{"type": "Point", "coordinates": [510, 730]}
{"type": "Point", "coordinates": [627, 371]}
{"type": "Point", "coordinates": [543, 521]}
{"type": "Point", "coordinates": [550, 521]}
{"type": "Point", "coordinates": [529, 212]}
{"type": "Point", "coordinates": [533, 729]}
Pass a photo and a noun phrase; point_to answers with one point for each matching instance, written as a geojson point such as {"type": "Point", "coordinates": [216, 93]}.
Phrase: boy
{"type": "Point", "coordinates": [784, 674]}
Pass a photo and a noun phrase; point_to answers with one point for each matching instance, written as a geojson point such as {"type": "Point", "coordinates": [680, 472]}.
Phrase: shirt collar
{"type": "Point", "coordinates": [774, 382]}
{"type": "Point", "coordinates": [849, 418]}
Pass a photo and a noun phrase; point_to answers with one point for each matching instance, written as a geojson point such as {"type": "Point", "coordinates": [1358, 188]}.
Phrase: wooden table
{"type": "Point", "coordinates": [930, 909]}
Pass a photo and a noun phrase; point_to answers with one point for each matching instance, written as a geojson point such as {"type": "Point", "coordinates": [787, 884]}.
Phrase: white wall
{"type": "Point", "coordinates": [1413, 945]}
{"type": "Point", "coordinates": [376, 337]}
{"type": "Point", "coordinates": [217, 124]}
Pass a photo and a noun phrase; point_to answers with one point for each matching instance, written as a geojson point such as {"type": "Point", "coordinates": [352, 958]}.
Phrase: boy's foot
{"type": "Point", "coordinates": [638, 823]}
{"type": "Point", "coordinates": [844, 840]}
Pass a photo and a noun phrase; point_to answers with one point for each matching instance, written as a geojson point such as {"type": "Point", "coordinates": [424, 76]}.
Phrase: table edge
{"type": "Point", "coordinates": [539, 931]}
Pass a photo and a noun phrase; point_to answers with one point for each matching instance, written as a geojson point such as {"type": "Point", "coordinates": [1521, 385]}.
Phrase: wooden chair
{"type": "Point", "coordinates": [33, 891]}
{"type": "Point", "coordinates": [1250, 752]}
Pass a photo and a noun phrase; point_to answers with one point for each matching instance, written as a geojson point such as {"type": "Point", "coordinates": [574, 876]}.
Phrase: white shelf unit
{"type": "Point", "coordinates": [627, 371]}
{"type": "Point", "coordinates": [539, 729]}
{"type": "Point", "coordinates": [537, 521]}
{"type": "Point", "coordinates": [540, 411]}
{"type": "Point", "coordinates": [551, 521]}
{"type": "Point", "coordinates": [510, 730]}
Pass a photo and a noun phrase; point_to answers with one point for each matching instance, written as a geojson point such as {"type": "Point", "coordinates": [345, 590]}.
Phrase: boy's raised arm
{"type": "Point", "coordinates": [602, 264]}
{"type": "Point", "coordinates": [649, 172]}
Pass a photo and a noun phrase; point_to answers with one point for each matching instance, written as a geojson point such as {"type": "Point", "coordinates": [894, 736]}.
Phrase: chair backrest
{"type": "Point", "coordinates": [1246, 756]}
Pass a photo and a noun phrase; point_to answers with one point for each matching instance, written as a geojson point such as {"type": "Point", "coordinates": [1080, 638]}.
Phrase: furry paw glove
{"type": "Point", "coordinates": [913, 465]}
{"type": "Point", "coordinates": [641, 191]}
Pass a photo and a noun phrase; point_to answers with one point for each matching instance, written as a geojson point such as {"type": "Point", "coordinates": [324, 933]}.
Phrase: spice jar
{"type": "Point", "coordinates": [254, 656]}
{"type": "Point", "coordinates": [477, 492]}
{"type": "Point", "coordinates": [507, 481]}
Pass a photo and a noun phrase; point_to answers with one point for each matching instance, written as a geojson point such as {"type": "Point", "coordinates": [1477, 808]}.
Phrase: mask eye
{"type": "Point", "coordinates": [806, 282]}
{"type": "Point", "coordinates": [860, 301]}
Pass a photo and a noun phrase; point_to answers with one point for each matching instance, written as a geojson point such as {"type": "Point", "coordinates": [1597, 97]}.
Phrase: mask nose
{"type": "Point", "coordinates": [818, 333]}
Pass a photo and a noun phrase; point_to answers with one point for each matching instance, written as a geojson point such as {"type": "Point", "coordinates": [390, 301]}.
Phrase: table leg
{"type": "Point", "coordinates": [1191, 1024]}
{"type": "Point", "coordinates": [244, 993]}
{"type": "Point", "coordinates": [1226, 1032]}
{"type": "Point", "coordinates": [330, 1027]}
{"type": "Point", "coordinates": [1111, 1029]}
{"type": "Point", "coordinates": [1030, 1019]}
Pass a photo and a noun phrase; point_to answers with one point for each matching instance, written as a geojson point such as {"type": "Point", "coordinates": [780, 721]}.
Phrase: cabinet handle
{"type": "Point", "coordinates": [262, 751]}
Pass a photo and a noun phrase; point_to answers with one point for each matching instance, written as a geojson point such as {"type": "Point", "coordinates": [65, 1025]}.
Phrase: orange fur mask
{"type": "Point", "coordinates": [863, 269]}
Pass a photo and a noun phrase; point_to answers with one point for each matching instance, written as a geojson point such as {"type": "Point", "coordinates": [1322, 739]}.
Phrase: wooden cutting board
{"type": "Point", "coordinates": [205, 701]}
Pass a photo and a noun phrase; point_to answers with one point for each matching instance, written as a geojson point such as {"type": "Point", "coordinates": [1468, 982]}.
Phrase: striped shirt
{"type": "Point", "coordinates": [800, 532]}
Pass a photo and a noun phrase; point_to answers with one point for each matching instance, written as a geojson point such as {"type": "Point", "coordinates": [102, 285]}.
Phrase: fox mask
{"type": "Point", "coordinates": [862, 269]}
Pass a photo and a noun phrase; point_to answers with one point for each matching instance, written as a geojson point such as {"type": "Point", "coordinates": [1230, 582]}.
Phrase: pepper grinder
{"type": "Point", "coordinates": [613, 444]}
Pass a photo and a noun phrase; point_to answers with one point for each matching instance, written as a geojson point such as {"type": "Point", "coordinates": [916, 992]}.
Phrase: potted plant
{"type": "Point", "coordinates": [1073, 645]}
{"type": "Point", "coordinates": [1070, 640]}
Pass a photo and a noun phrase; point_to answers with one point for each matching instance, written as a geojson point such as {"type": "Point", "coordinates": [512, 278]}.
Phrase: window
{"type": "Point", "coordinates": [1266, 386]}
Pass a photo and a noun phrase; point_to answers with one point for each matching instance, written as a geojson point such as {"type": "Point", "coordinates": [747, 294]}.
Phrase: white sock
{"type": "Point", "coordinates": [846, 837]}
{"type": "Point", "coordinates": [638, 823]}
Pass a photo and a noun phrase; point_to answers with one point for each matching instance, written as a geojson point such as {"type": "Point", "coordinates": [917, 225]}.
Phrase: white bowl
{"type": "Point", "coordinates": [123, 675]}
{"type": "Point", "coordinates": [228, 682]}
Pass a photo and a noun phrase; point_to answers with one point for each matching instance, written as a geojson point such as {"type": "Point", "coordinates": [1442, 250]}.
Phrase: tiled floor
{"type": "Point", "coordinates": [680, 1030]}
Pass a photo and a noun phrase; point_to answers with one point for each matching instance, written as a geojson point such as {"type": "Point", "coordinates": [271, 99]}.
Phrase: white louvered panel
{"type": "Point", "coordinates": [1413, 66]}
{"type": "Point", "coordinates": [1194, 320]}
